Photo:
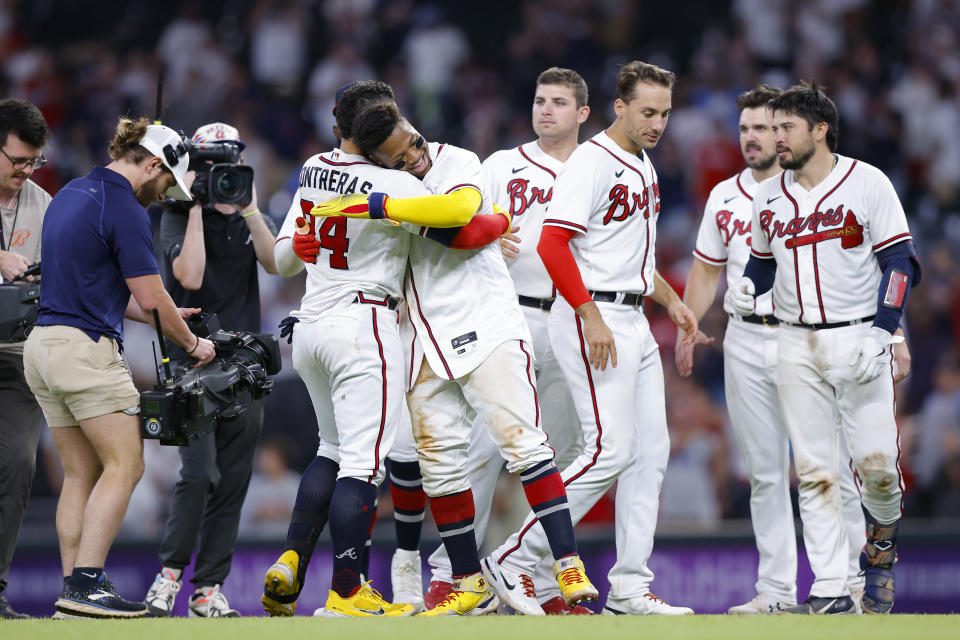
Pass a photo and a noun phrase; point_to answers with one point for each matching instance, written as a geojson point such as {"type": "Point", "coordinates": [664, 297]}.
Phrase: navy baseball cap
{"type": "Point", "coordinates": [339, 95]}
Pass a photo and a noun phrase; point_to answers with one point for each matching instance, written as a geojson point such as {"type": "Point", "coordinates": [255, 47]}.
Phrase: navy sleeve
{"type": "Point", "coordinates": [901, 272]}
{"type": "Point", "coordinates": [127, 227]}
{"type": "Point", "coordinates": [762, 272]}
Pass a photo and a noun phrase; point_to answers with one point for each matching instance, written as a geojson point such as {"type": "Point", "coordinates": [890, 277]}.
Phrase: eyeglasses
{"type": "Point", "coordinates": [19, 164]}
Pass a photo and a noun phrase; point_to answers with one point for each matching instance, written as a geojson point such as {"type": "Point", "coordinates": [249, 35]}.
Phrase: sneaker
{"type": "Point", "coordinates": [763, 604]}
{"type": "Point", "coordinates": [365, 603]}
{"type": "Point", "coordinates": [7, 612]}
{"type": "Point", "coordinates": [406, 578]}
{"type": "Point", "coordinates": [515, 589]}
{"type": "Point", "coordinates": [878, 591]}
{"type": "Point", "coordinates": [857, 596]}
{"type": "Point", "coordinates": [163, 592]}
{"type": "Point", "coordinates": [557, 606]}
{"type": "Point", "coordinates": [645, 605]}
{"type": "Point", "coordinates": [436, 592]}
{"type": "Point", "coordinates": [574, 583]}
{"type": "Point", "coordinates": [209, 602]}
{"type": "Point", "coordinates": [842, 605]}
{"type": "Point", "coordinates": [469, 596]}
{"type": "Point", "coordinates": [99, 600]}
{"type": "Point", "coordinates": [281, 587]}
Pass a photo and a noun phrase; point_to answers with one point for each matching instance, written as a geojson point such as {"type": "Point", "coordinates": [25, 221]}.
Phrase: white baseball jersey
{"type": "Point", "coordinates": [461, 303]}
{"type": "Point", "coordinates": [824, 240]}
{"type": "Point", "coordinates": [724, 235]}
{"type": "Point", "coordinates": [356, 255]}
{"type": "Point", "coordinates": [611, 198]}
{"type": "Point", "coordinates": [520, 181]}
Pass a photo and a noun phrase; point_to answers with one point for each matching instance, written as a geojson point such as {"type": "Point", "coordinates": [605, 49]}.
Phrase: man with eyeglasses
{"type": "Point", "coordinates": [23, 132]}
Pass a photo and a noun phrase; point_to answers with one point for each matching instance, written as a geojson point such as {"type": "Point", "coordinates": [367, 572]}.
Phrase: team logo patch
{"type": "Point", "coordinates": [896, 290]}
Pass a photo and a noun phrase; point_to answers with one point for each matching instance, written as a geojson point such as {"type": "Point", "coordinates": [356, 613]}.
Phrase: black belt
{"type": "Point", "coordinates": [389, 303]}
{"type": "Point", "coordinates": [630, 299]}
{"type": "Point", "coordinates": [767, 321]}
{"type": "Point", "coordinates": [536, 303]}
{"type": "Point", "coordinates": [828, 325]}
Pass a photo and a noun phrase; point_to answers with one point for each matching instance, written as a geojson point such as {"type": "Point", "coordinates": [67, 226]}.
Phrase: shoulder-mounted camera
{"type": "Point", "coordinates": [221, 179]}
{"type": "Point", "coordinates": [19, 305]}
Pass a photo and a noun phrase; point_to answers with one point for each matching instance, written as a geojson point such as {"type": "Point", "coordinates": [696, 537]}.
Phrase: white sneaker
{"type": "Point", "coordinates": [162, 594]}
{"type": "Point", "coordinates": [209, 602]}
{"type": "Point", "coordinates": [645, 605]}
{"type": "Point", "coordinates": [515, 589]}
{"type": "Point", "coordinates": [406, 578]}
{"type": "Point", "coordinates": [763, 604]}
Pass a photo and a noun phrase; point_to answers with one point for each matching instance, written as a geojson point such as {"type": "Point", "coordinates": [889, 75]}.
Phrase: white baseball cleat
{"type": "Point", "coordinates": [406, 578]}
{"type": "Point", "coordinates": [763, 604]}
{"type": "Point", "coordinates": [515, 589]}
{"type": "Point", "coordinates": [645, 605]}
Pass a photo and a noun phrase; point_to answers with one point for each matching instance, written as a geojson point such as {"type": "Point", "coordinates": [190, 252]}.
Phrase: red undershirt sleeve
{"type": "Point", "coordinates": [480, 231]}
{"type": "Point", "coordinates": [554, 250]}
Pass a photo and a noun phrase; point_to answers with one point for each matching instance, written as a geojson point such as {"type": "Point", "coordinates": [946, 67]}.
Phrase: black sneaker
{"type": "Point", "coordinates": [842, 605]}
{"type": "Point", "coordinates": [97, 601]}
{"type": "Point", "coordinates": [7, 613]}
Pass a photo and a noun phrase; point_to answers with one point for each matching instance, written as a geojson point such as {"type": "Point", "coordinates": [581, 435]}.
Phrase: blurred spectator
{"type": "Point", "coordinates": [272, 493]}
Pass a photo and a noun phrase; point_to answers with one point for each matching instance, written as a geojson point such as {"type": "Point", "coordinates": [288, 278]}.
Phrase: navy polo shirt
{"type": "Point", "coordinates": [95, 234]}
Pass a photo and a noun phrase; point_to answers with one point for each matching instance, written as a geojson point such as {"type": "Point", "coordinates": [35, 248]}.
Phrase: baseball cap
{"type": "Point", "coordinates": [169, 146]}
{"type": "Point", "coordinates": [218, 132]}
{"type": "Point", "coordinates": [339, 95]}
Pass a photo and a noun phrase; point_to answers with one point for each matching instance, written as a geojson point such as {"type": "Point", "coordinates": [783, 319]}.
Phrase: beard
{"type": "Point", "coordinates": [150, 191]}
{"type": "Point", "coordinates": [798, 157]}
{"type": "Point", "coordinates": [763, 162]}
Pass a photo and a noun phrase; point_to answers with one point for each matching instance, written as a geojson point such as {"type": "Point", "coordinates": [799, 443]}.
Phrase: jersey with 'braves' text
{"type": "Point", "coordinates": [462, 303]}
{"type": "Point", "coordinates": [611, 198]}
{"type": "Point", "coordinates": [724, 235]}
{"type": "Point", "coordinates": [356, 255]}
{"type": "Point", "coordinates": [824, 240]}
{"type": "Point", "coordinates": [520, 180]}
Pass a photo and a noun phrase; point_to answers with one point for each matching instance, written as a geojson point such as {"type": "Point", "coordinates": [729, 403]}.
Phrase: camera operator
{"type": "Point", "coordinates": [98, 230]}
{"type": "Point", "coordinates": [23, 132]}
{"type": "Point", "coordinates": [210, 256]}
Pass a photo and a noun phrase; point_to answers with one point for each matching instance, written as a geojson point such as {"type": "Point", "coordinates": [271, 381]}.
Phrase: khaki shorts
{"type": "Point", "coordinates": [75, 378]}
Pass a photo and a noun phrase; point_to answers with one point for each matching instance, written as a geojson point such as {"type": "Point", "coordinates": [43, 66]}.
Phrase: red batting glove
{"type": "Point", "coordinates": [305, 243]}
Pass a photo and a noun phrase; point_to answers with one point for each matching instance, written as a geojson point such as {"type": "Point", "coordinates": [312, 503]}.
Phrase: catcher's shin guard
{"type": "Point", "coordinates": [876, 560]}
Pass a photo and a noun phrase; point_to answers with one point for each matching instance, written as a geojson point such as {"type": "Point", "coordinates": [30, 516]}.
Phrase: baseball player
{"type": "Point", "coordinates": [521, 179]}
{"type": "Point", "coordinates": [598, 246]}
{"type": "Point", "coordinates": [347, 350]}
{"type": "Point", "coordinates": [750, 350]}
{"type": "Point", "coordinates": [476, 358]}
{"type": "Point", "coordinates": [831, 238]}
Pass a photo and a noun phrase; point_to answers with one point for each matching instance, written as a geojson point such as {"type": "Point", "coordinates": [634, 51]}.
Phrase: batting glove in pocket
{"type": "Point", "coordinates": [872, 355]}
{"type": "Point", "coordinates": [740, 297]}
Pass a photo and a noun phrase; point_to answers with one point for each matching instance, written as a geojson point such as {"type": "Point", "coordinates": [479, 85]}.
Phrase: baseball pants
{"type": "Point", "coordinates": [750, 376]}
{"type": "Point", "coordinates": [622, 414]}
{"type": "Point", "coordinates": [351, 361]}
{"type": "Point", "coordinates": [815, 379]}
{"type": "Point", "coordinates": [20, 423]}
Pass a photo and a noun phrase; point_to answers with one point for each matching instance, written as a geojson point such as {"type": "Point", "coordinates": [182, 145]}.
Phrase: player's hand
{"type": "Point", "coordinates": [683, 351]}
{"type": "Point", "coordinates": [186, 312]}
{"type": "Point", "coordinates": [686, 321]}
{"type": "Point", "coordinates": [509, 242]}
{"type": "Point", "coordinates": [353, 205]}
{"type": "Point", "coordinates": [598, 336]}
{"type": "Point", "coordinates": [12, 264]}
{"type": "Point", "coordinates": [204, 352]}
{"type": "Point", "coordinates": [872, 355]}
{"type": "Point", "coordinates": [901, 356]}
{"type": "Point", "coordinates": [741, 297]}
{"type": "Point", "coordinates": [305, 243]}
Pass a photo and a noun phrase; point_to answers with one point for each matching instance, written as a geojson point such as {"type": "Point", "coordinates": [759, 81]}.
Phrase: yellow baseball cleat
{"type": "Point", "coordinates": [365, 603]}
{"type": "Point", "coordinates": [471, 596]}
{"type": "Point", "coordinates": [281, 587]}
{"type": "Point", "coordinates": [574, 583]}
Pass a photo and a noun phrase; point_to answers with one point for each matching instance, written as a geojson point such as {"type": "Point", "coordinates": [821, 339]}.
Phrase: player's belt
{"type": "Point", "coordinates": [767, 321]}
{"type": "Point", "coordinates": [536, 303]}
{"type": "Point", "coordinates": [389, 303]}
{"type": "Point", "coordinates": [630, 299]}
{"type": "Point", "coordinates": [828, 325]}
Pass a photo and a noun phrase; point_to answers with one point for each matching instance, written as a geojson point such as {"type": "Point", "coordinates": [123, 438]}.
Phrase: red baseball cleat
{"type": "Point", "coordinates": [558, 607]}
{"type": "Point", "coordinates": [436, 592]}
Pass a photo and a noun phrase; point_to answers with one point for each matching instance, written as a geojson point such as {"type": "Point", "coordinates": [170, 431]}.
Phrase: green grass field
{"type": "Point", "coordinates": [497, 628]}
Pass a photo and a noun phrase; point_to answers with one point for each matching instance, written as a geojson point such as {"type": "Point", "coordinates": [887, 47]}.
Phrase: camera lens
{"type": "Point", "coordinates": [227, 186]}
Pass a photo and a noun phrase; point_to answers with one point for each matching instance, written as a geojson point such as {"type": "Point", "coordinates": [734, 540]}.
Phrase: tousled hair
{"type": "Point", "coordinates": [358, 98]}
{"type": "Point", "coordinates": [639, 71]}
{"type": "Point", "coordinates": [24, 120]}
{"type": "Point", "coordinates": [808, 101]}
{"type": "Point", "coordinates": [126, 141]}
{"type": "Point", "coordinates": [759, 96]}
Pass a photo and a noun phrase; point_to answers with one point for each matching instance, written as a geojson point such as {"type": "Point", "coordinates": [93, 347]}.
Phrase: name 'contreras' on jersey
{"type": "Point", "coordinates": [724, 235]}
{"type": "Point", "coordinates": [824, 240]}
{"type": "Point", "coordinates": [611, 198]}
{"type": "Point", "coordinates": [520, 181]}
{"type": "Point", "coordinates": [462, 303]}
{"type": "Point", "coordinates": [356, 255]}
